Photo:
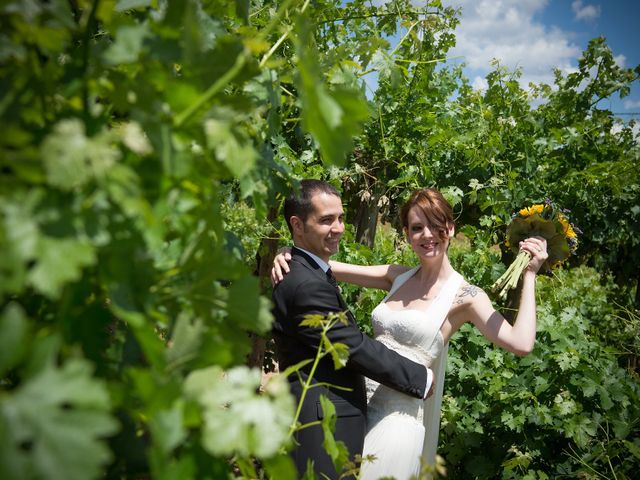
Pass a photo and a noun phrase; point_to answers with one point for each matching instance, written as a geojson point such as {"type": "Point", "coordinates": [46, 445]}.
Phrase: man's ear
{"type": "Point", "coordinates": [297, 225]}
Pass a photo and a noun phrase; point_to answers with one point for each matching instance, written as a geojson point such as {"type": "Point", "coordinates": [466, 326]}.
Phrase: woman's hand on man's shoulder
{"type": "Point", "coordinates": [280, 265]}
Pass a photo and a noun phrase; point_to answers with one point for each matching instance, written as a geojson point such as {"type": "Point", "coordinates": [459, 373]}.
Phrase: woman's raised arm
{"type": "Point", "coordinates": [520, 337]}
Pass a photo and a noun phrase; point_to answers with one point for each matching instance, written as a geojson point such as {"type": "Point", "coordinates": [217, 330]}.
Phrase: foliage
{"type": "Point", "coordinates": [569, 408]}
{"type": "Point", "coordinates": [504, 152]}
{"type": "Point", "coordinates": [127, 126]}
{"type": "Point", "coordinates": [566, 409]}
{"type": "Point", "coordinates": [51, 424]}
{"type": "Point", "coordinates": [145, 149]}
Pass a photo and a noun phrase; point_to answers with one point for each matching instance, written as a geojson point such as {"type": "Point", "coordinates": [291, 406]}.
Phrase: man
{"type": "Point", "coordinates": [315, 219]}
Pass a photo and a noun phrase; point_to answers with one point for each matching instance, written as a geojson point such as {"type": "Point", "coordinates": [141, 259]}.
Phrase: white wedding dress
{"type": "Point", "coordinates": [402, 429]}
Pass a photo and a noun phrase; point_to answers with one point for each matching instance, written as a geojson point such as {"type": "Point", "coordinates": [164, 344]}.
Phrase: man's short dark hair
{"type": "Point", "coordinates": [299, 203]}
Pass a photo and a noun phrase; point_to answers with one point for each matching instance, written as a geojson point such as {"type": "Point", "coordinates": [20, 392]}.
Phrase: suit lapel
{"type": "Point", "coordinates": [311, 264]}
{"type": "Point", "coordinates": [308, 262]}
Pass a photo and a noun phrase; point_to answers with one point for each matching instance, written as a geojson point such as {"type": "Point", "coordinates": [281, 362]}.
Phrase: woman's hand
{"type": "Point", "coordinates": [537, 247]}
{"type": "Point", "coordinates": [280, 265]}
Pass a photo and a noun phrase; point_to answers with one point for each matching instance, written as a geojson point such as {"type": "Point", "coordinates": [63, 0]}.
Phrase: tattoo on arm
{"type": "Point", "coordinates": [466, 291]}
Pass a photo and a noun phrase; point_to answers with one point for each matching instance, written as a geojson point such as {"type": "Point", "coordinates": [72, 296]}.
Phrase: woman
{"type": "Point", "coordinates": [425, 306]}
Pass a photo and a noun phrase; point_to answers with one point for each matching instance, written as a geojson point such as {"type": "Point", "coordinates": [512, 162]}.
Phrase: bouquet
{"type": "Point", "coordinates": [544, 220]}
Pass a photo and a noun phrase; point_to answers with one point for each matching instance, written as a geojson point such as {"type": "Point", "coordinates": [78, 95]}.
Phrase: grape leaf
{"type": "Point", "coordinates": [124, 5]}
{"type": "Point", "coordinates": [53, 425]}
{"type": "Point", "coordinates": [333, 117]}
{"type": "Point", "coordinates": [71, 158]}
{"type": "Point", "coordinates": [185, 342]}
{"type": "Point", "coordinates": [13, 336]}
{"type": "Point", "coordinates": [254, 424]}
{"type": "Point", "coordinates": [336, 449]}
{"type": "Point", "coordinates": [59, 261]}
{"type": "Point", "coordinates": [281, 467]}
{"type": "Point", "coordinates": [128, 44]}
{"type": "Point", "coordinates": [231, 147]}
{"type": "Point", "coordinates": [167, 428]}
{"type": "Point", "coordinates": [247, 307]}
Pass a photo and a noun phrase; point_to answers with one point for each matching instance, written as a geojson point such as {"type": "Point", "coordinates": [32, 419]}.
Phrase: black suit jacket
{"type": "Point", "coordinates": [306, 290]}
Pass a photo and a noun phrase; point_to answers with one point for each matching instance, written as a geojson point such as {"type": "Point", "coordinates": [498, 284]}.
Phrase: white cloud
{"type": "Point", "coordinates": [585, 12]}
{"type": "Point", "coordinates": [620, 60]}
{"type": "Point", "coordinates": [509, 31]}
{"type": "Point", "coordinates": [618, 126]}
{"type": "Point", "coordinates": [631, 104]}
{"type": "Point", "coordinates": [480, 84]}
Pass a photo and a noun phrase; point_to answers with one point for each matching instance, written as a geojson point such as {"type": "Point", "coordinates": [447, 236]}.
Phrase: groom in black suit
{"type": "Point", "coordinates": [315, 219]}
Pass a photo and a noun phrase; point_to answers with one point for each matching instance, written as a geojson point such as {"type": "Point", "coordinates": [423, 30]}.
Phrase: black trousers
{"type": "Point", "coordinates": [350, 428]}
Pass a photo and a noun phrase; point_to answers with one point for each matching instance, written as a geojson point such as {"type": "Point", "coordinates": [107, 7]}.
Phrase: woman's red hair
{"type": "Point", "coordinates": [434, 206]}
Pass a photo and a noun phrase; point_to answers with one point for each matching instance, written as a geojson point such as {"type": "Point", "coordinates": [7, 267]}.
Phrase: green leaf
{"type": "Point", "coordinates": [59, 261]}
{"type": "Point", "coordinates": [236, 418]}
{"type": "Point", "coordinates": [185, 342]}
{"type": "Point", "coordinates": [19, 236]}
{"type": "Point", "coordinates": [62, 415]}
{"type": "Point", "coordinates": [313, 320]}
{"type": "Point", "coordinates": [339, 353]}
{"type": "Point", "coordinates": [387, 68]}
{"type": "Point", "coordinates": [71, 158]}
{"type": "Point", "coordinates": [242, 10]}
{"type": "Point", "coordinates": [281, 467]}
{"type": "Point", "coordinates": [167, 428]}
{"type": "Point", "coordinates": [605, 398]}
{"type": "Point", "coordinates": [633, 448]}
{"type": "Point", "coordinates": [184, 468]}
{"type": "Point", "coordinates": [247, 308]}
{"type": "Point", "coordinates": [333, 117]}
{"type": "Point", "coordinates": [454, 195]}
{"type": "Point", "coordinates": [581, 429]}
{"type": "Point", "coordinates": [294, 368]}
{"type": "Point", "coordinates": [128, 44]}
{"type": "Point", "coordinates": [14, 331]}
{"type": "Point", "coordinates": [519, 461]}
{"type": "Point", "coordinates": [336, 449]}
{"type": "Point", "coordinates": [231, 148]}
{"type": "Point", "coordinates": [21, 228]}
{"type": "Point", "coordinates": [124, 5]}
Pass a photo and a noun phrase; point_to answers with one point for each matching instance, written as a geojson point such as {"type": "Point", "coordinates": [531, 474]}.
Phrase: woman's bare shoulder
{"type": "Point", "coordinates": [469, 294]}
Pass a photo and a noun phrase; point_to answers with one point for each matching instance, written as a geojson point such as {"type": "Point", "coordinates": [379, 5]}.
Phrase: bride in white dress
{"type": "Point", "coordinates": [425, 306]}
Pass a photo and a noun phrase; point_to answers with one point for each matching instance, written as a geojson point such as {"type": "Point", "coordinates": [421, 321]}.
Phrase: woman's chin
{"type": "Point", "coordinates": [427, 252]}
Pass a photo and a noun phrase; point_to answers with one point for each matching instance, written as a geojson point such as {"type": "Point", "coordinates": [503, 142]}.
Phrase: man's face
{"type": "Point", "coordinates": [320, 234]}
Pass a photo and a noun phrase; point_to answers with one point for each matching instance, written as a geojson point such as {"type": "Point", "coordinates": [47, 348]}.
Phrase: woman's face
{"type": "Point", "coordinates": [425, 239]}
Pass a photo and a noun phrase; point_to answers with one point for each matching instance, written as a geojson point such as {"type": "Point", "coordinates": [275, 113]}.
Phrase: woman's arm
{"type": "Point", "coordinates": [519, 338]}
{"type": "Point", "coordinates": [375, 276]}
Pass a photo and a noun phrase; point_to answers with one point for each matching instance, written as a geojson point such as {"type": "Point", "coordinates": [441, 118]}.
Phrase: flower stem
{"type": "Point", "coordinates": [510, 278]}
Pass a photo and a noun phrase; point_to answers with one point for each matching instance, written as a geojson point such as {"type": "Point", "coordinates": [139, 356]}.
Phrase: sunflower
{"type": "Point", "coordinates": [533, 209]}
{"type": "Point", "coordinates": [544, 220]}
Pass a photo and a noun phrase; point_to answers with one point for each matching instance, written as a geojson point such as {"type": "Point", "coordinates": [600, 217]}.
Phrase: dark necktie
{"type": "Point", "coordinates": [331, 278]}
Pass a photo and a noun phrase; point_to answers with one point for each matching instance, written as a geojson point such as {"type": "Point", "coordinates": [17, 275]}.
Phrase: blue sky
{"type": "Point", "coordinates": [538, 35]}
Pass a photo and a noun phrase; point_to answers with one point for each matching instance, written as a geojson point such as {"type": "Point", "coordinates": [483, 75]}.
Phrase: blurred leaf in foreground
{"type": "Point", "coordinates": [52, 425]}
{"type": "Point", "coordinates": [254, 424]}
